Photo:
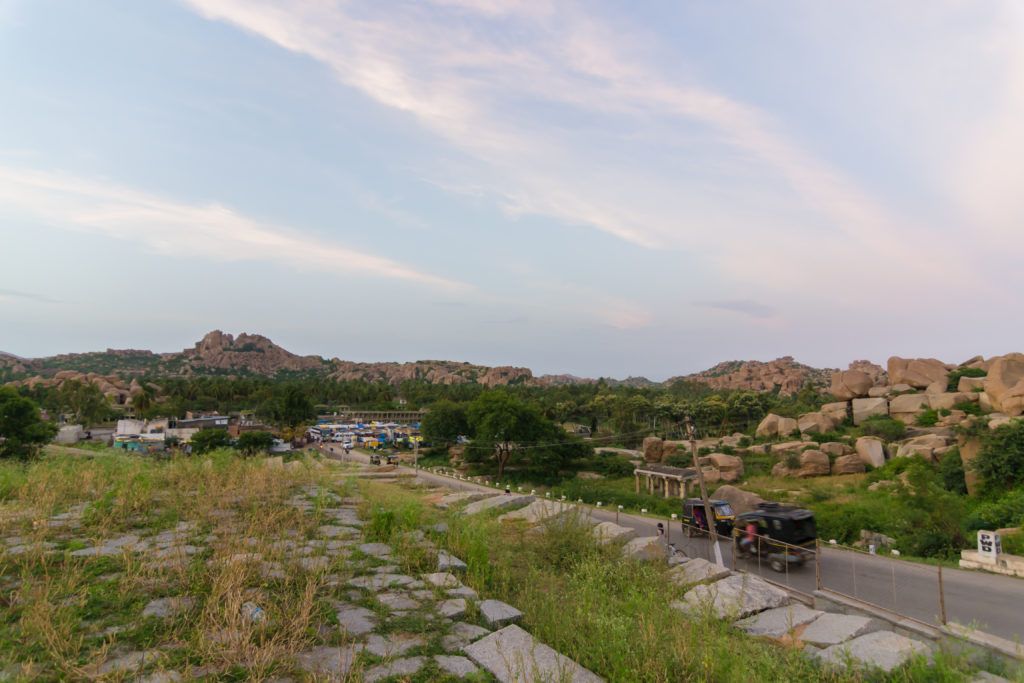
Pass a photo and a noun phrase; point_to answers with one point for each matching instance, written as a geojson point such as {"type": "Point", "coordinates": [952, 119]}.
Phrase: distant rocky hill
{"type": "Point", "coordinates": [219, 353]}
{"type": "Point", "coordinates": [784, 374]}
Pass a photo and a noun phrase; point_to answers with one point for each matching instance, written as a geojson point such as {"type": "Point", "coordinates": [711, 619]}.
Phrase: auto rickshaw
{"type": "Point", "coordinates": [375, 458]}
{"type": "Point", "coordinates": [392, 459]}
{"type": "Point", "coordinates": [694, 516]}
{"type": "Point", "coordinates": [786, 535]}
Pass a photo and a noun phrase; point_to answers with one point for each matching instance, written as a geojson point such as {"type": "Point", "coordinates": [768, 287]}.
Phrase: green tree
{"type": "Point", "coordinates": [251, 443]}
{"type": "Point", "coordinates": [1000, 462]}
{"type": "Point", "coordinates": [445, 422]}
{"type": "Point", "coordinates": [502, 425]}
{"type": "Point", "coordinates": [22, 430]}
{"type": "Point", "coordinates": [84, 401]}
{"type": "Point", "coordinates": [206, 440]}
{"type": "Point", "coordinates": [290, 408]}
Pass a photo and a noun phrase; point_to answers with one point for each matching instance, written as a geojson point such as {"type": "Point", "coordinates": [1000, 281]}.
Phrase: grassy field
{"type": "Point", "coordinates": [113, 565]}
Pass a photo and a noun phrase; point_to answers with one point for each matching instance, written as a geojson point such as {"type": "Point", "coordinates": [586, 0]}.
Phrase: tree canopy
{"type": "Point", "coordinates": [1000, 462]}
{"type": "Point", "coordinates": [445, 422]}
{"type": "Point", "coordinates": [251, 443]}
{"type": "Point", "coordinates": [206, 440]}
{"type": "Point", "coordinates": [22, 429]}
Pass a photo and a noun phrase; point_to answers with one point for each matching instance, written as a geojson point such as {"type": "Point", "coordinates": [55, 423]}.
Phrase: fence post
{"type": "Point", "coordinates": [942, 599]}
{"type": "Point", "coordinates": [853, 565]}
{"type": "Point", "coordinates": [817, 564]}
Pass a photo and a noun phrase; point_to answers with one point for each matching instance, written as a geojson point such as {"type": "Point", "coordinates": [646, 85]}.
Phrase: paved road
{"type": "Point", "coordinates": [991, 603]}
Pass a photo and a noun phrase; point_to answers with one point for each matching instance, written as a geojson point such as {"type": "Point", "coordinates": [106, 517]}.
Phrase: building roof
{"type": "Point", "coordinates": [667, 471]}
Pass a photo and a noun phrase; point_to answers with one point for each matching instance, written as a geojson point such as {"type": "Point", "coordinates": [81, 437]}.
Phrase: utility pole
{"type": "Point", "coordinates": [416, 456]}
{"type": "Point", "coordinates": [691, 432]}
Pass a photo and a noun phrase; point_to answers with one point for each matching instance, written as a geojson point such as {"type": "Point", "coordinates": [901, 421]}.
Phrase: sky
{"type": "Point", "coordinates": [596, 188]}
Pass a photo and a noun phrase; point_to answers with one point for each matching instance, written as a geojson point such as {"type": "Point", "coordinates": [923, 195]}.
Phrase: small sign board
{"type": "Point", "coordinates": [989, 544]}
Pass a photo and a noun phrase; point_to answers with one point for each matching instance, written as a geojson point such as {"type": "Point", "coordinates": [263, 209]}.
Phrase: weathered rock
{"type": "Point", "coordinates": [128, 662]}
{"type": "Point", "coordinates": [730, 467]}
{"type": "Point", "coordinates": [696, 571]}
{"type": "Point", "coordinates": [740, 500]}
{"type": "Point", "coordinates": [381, 551]}
{"type": "Point", "coordinates": [513, 656]}
{"type": "Point", "coordinates": [460, 667]}
{"type": "Point", "coordinates": [499, 502]}
{"type": "Point", "coordinates": [946, 400]}
{"type": "Point", "coordinates": [778, 622]}
{"type": "Point", "coordinates": [734, 597]}
{"type": "Point", "coordinates": [907, 407]}
{"type": "Point", "coordinates": [645, 548]}
{"type": "Point", "coordinates": [393, 644]}
{"type": "Point", "coordinates": [446, 562]}
{"type": "Point", "coordinates": [813, 463]}
{"type": "Point", "coordinates": [883, 650]}
{"type": "Point", "coordinates": [398, 602]}
{"type": "Point", "coordinates": [496, 613]}
{"type": "Point", "coordinates": [538, 511]}
{"type": "Point", "coordinates": [848, 464]}
{"type": "Point", "coordinates": [970, 385]}
{"type": "Point", "coordinates": [878, 392]}
{"type": "Point", "coordinates": [830, 629]}
{"type": "Point", "coordinates": [849, 384]}
{"type": "Point", "coordinates": [462, 497]}
{"type": "Point", "coordinates": [871, 451]}
{"type": "Point", "coordinates": [377, 582]}
{"type": "Point", "coordinates": [607, 532]}
{"type": "Point", "coordinates": [863, 408]}
{"type": "Point", "coordinates": [1004, 385]}
{"type": "Point", "coordinates": [462, 634]}
{"type": "Point", "coordinates": [917, 372]}
{"type": "Point", "coordinates": [836, 411]}
{"type": "Point", "coordinates": [355, 620]}
{"type": "Point", "coordinates": [442, 580]}
{"type": "Point", "coordinates": [453, 608]}
{"type": "Point", "coordinates": [775, 425]}
{"type": "Point", "coordinates": [398, 667]}
{"type": "Point", "coordinates": [652, 449]}
{"type": "Point", "coordinates": [835, 448]}
{"type": "Point", "coordinates": [923, 446]}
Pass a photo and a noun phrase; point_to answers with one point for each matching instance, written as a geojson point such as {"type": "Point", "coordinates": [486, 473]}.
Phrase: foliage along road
{"type": "Point", "coordinates": [985, 602]}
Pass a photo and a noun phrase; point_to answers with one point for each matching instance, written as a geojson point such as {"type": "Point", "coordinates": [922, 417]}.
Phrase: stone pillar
{"type": "Point", "coordinates": [636, 481]}
{"type": "Point", "coordinates": [668, 484]}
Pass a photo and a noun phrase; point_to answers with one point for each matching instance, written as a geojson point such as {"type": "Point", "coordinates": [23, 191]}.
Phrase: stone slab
{"type": "Point", "coordinates": [462, 634]}
{"type": "Point", "coordinates": [442, 580]}
{"type": "Point", "coordinates": [499, 502]}
{"type": "Point", "coordinates": [734, 597]}
{"type": "Point", "coordinates": [497, 613]}
{"type": "Point", "coordinates": [780, 621]}
{"type": "Point", "coordinates": [460, 667]}
{"type": "Point", "coordinates": [332, 662]}
{"type": "Point", "coordinates": [462, 497]}
{"type": "Point", "coordinates": [167, 607]}
{"type": "Point", "coordinates": [608, 532]}
{"type": "Point", "coordinates": [399, 667]}
{"type": "Point", "coordinates": [883, 650]}
{"type": "Point", "coordinates": [512, 656]}
{"type": "Point", "coordinates": [537, 511]}
{"type": "Point", "coordinates": [452, 609]}
{"type": "Point", "coordinates": [356, 620]}
{"type": "Point", "coordinates": [446, 562]}
{"type": "Point", "coordinates": [645, 548]}
{"type": "Point", "coordinates": [393, 644]}
{"type": "Point", "coordinates": [697, 570]}
{"type": "Point", "coordinates": [832, 629]}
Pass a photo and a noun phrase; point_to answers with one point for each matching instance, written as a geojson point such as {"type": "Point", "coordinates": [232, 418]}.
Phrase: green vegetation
{"type": "Point", "coordinates": [251, 443]}
{"type": "Point", "coordinates": [955, 375]}
{"type": "Point", "coordinates": [886, 428]}
{"type": "Point", "coordinates": [206, 440]}
{"type": "Point", "coordinates": [22, 431]}
{"type": "Point", "coordinates": [927, 418]}
{"type": "Point", "coordinates": [1000, 463]}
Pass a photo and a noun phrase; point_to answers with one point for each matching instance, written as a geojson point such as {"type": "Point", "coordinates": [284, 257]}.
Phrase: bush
{"type": "Point", "coordinates": [969, 407]}
{"type": "Point", "coordinates": [887, 428]}
{"type": "Point", "coordinates": [206, 440]}
{"type": "Point", "coordinates": [951, 471]}
{"type": "Point", "coordinates": [927, 418]}
{"type": "Point", "coordinates": [955, 375]}
{"type": "Point", "coordinates": [996, 513]}
{"type": "Point", "coordinates": [1000, 462]}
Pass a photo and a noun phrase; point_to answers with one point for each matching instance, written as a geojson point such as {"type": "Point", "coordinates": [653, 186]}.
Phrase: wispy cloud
{"type": "Point", "coordinates": [26, 296]}
{"type": "Point", "coordinates": [513, 107]}
{"type": "Point", "coordinates": [210, 231]}
{"type": "Point", "coordinates": [744, 306]}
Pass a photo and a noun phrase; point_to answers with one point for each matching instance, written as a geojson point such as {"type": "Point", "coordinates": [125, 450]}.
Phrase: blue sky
{"type": "Point", "coordinates": [596, 188]}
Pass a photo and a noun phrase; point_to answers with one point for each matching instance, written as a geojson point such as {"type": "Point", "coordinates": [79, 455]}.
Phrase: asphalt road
{"type": "Point", "coordinates": [987, 602]}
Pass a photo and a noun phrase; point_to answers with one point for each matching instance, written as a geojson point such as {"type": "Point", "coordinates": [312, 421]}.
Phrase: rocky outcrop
{"type": "Point", "coordinates": [248, 353]}
{"type": "Point", "coordinates": [917, 372]}
{"type": "Point", "coordinates": [815, 423]}
{"type": "Point", "coordinates": [653, 449]}
{"type": "Point", "coordinates": [850, 384]}
{"type": "Point", "coordinates": [813, 463]}
{"type": "Point", "coordinates": [775, 425]}
{"type": "Point", "coordinates": [730, 467]}
{"type": "Point", "coordinates": [863, 408]}
{"type": "Point", "coordinates": [784, 374]}
{"type": "Point", "coordinates": [923, 446]}
{"type": "Point", "coordinates": [740, 500]}
{"type": "Point", "coordinates": [1004, 384]}
{"type": "Point", "coordinates": [871, 451]}
{"type": "Point", "coordinates": [848, 464]}
{"type": "Point", "coordinates": [907, 407]}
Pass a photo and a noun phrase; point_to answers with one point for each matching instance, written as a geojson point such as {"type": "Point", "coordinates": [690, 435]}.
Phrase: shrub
{"type": "Point", "coordinates": [678, 460]}
{"type": "Point", "coordinates": [1000, 462]}
{"type": "Point", "coordinates": [792, 461]}
{"type": "Point", "coordinates": [927, 418]}
{"type": "Point", "coordinates": [887, 428]}
{"type": "Point", "coordinates": [955, 375]}
{"type": "Point", "coordinates": [996, 513]}
{"type": "Point", "coordinates": [969, 407]}
{"type": "Point", "coordinates": [745, 442]}
{"type": "Point", "coordinates": [951, 471]}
